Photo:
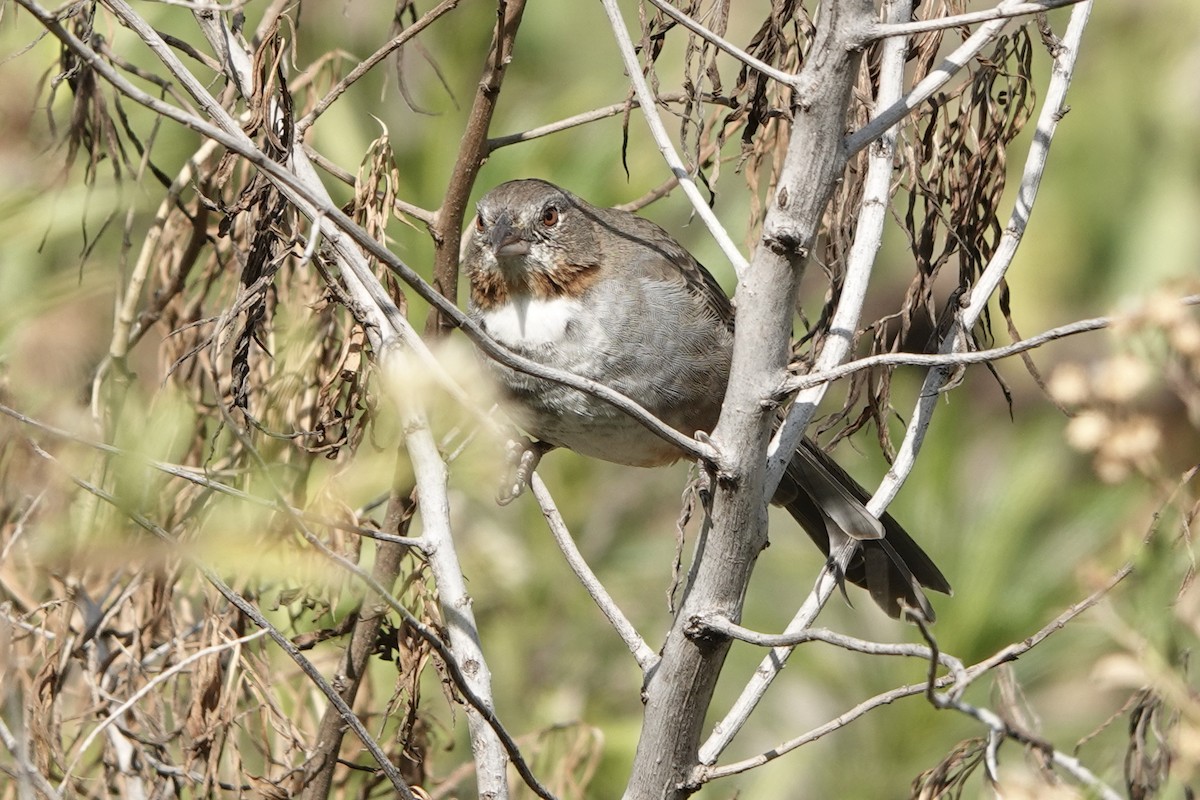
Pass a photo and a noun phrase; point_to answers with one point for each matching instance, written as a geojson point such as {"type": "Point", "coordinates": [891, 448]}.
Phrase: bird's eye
{"type": "Point", "coordinates": [550, 216]}
{"type": "Point", "coordinates": [479, 222]}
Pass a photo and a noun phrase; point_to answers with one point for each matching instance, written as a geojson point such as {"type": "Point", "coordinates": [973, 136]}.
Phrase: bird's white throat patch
{"type": "Point", "coordinates": [526, 321]}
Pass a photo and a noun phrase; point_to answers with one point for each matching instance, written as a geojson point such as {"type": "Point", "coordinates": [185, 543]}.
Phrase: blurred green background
{"type": "Point", "coordinates": [1018, 521]}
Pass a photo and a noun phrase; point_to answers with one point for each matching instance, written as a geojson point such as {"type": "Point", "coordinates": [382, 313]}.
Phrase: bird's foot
{"type": "Point", "coordinates": [523, 456]}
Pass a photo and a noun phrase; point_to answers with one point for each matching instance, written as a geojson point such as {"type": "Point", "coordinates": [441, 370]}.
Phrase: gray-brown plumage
{"type": "Point", "coordinates": [610, 296]}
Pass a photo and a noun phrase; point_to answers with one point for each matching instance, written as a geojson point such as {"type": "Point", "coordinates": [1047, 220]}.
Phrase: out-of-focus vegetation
{"type": "Point", "coordinates": [1023, 523]}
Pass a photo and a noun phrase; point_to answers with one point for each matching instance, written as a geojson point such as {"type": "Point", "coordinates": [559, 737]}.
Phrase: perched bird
{"type": "Point", "coordinates": [610, 296]}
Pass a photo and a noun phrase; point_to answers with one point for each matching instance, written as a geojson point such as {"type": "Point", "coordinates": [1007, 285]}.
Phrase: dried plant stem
{"type": "Point", "coordinates": [491, 762]}
{"type": "Point", "coordinates": [251, 612]}
{"type": "Point", "coordinates": [868, 236]}
{"type": "Point", "coordinates": [935, 80]}
{"type": "Point", "coordinates": [149, 686]}
{"type": "Point", "coordinates": [741, 55]}
{"type": "Point", "coordinates": [385, 312]}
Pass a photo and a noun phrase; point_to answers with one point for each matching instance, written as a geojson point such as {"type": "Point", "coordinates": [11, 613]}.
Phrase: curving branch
{"type": "Point", "coordinates": [1053, 108]}
{"type": "Point", "coordinates": [645, 657]}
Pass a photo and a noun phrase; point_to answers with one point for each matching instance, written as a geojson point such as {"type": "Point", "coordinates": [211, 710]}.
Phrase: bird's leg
{"type": "Point", "coordinates": [523, 455]}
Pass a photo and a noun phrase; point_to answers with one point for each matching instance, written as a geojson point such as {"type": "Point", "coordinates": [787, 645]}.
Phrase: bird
{"type": "Point", "coordinates": [609, 295]}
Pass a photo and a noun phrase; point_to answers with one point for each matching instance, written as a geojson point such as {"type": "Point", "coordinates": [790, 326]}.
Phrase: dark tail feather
{"type": "Point", "coordinates": [889, 564]}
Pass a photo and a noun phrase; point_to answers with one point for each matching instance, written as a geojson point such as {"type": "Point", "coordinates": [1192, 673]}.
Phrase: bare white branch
{"type": "Point", "coordinates": [759, 65]}
{"type": "Point", "coordinates": [642, 653]}
{"type": "Point", "coordinates": [659, 132]}
{"type": "Point", "coordinates": [1053, 109]}
{"type": "Point", "coordinates": [491, 761]}
{"type": "Point", "coordinates": [1002, 11]}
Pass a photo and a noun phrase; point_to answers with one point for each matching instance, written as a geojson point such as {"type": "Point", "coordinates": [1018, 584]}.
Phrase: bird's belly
{"type": "Point", "coordinates": [592, 427]}
{"type": "Point", "coordinates": [676, 372]}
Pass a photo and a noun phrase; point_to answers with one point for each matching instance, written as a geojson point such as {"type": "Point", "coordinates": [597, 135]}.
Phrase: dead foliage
{"type": "Point", "coordinates": [129, 672]}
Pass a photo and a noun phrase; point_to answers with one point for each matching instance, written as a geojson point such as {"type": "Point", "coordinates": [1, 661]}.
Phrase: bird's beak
{"type": "Point", "coordinates": [506, 241]}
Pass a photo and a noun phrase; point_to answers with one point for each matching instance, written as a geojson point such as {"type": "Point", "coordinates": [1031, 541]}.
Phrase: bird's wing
{"type": "Point", "coordinates": [659, 257]}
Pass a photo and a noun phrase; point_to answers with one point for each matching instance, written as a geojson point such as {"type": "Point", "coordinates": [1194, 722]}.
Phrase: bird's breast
{"type": "Point", "coordinates": [526, 323]}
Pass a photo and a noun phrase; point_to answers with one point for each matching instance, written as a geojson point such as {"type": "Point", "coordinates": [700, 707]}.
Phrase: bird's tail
{"type": "Point", "coordinates": [824, 499]}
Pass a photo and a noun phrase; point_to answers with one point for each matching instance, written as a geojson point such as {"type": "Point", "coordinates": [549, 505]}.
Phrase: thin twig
{"type": "Point", "coordinates": [807, 380]}
{"type": "Point", "coordinates": [661, 138]}
{"type": "Point", "coordinates": [786, 78]}
{"type": "Point", "coordinates": [705, 772]}
{"type": "Point", "coordinates": [645, 657]}
{"type": "Point", "coordinates": [1014, 651]}
{"type": "Point", "coordinates": [490, 742]}
{"type": "Point", "coordinates": [1002, 11]}
{"type": "Point", "coordinates": [365, 66]}
{"type": "Point", "coordinates": [604, 112]}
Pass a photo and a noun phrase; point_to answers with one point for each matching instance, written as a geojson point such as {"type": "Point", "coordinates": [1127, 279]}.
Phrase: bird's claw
{"type": "Point", "coordinates": [523, 456]}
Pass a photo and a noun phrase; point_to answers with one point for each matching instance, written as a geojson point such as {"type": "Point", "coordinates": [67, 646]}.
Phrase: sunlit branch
{"type": "Point", "coordinates": [659, 132]}
{"type": "Point", "coordinates": [1002, 11]}
{"type": "Point", "coordinates": [645, 657]}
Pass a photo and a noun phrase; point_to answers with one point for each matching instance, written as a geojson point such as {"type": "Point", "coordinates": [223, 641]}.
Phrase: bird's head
{"type": "Point", "coordinates": [531, 237]}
